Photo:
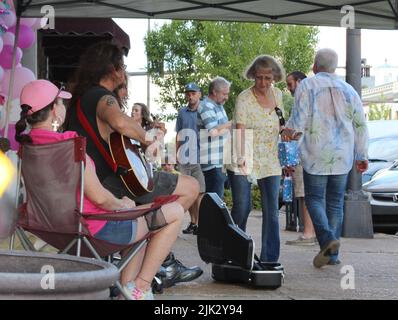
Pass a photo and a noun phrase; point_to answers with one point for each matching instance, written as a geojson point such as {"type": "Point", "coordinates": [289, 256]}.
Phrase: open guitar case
{"type": "Point", "coordinates": [230, 250]}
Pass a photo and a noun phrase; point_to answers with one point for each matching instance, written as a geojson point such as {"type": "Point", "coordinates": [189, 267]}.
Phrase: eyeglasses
{"type": "Point", "coordinates": [267, 78]}
{"type": "Point", "coordinates": [279, 113]}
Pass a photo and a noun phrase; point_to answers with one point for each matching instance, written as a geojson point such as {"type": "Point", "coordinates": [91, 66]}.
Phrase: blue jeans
{"type": "Point", "coordinates": [270, 241]}
{"type": "Point", "coordinates": [324, 198]}
{"type": "Point", "coordinates": [241, 198]}
{"type": "Point", "coordinates": [214, 180]}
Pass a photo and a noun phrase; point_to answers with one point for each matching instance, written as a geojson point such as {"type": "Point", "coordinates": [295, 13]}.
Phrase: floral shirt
{"type": "Point", "coordinates": [262, 128]}
{"type": "Point", "coordinates": [330, 114]}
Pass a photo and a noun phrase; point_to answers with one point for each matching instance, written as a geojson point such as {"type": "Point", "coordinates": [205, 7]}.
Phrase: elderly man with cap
{"type": "Point", "coordinates": [187, 145]}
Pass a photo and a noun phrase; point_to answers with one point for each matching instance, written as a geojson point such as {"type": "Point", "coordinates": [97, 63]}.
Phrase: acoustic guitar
{"type": "Point", "coordinates": [136, 172]}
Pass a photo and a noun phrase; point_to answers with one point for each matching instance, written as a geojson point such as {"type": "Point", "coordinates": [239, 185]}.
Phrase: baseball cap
{"type": "Point", "coordinates": [192, 87]}
{"type": "Point", "coordinates": [38, 94]}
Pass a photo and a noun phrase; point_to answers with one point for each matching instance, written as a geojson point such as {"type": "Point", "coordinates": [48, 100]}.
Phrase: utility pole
{"type": "Point", "coordinates": [357, 211]}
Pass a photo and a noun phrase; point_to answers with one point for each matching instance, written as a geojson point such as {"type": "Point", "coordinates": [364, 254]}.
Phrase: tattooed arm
{"type": "Point", "coordinates": [110, 118]}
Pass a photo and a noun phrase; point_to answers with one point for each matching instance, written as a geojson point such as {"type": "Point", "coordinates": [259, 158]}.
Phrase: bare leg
{"type": "Point", "coordinates": [188, 190]}
{"type": "Point", "coordinates": [143, 270]}
{"type": "Point", "coordinates": [308, 231]}
{"type": "Point", "coordinates": [194, 209]}
{"type": "Point", "coordinates": [307, 238]}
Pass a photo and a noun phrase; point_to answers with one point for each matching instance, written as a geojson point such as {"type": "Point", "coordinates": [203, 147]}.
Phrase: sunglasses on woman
{"type": "Point", "coordinates": [279, 113]}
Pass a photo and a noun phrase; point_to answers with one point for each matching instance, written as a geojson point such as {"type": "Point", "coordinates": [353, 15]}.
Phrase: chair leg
{"type": "Point", "coordinates": [69, 246]}
{"type": "Point", "coordinates": [132, 252]}
{"type": "Point", "coordinates": [120, 287]}
{"type": "Point", "coordinates": [12, 242]}
{"type": "Point", "coordinates": [91, 248]}
{"type": "Point", "coordinates": [26, 244]}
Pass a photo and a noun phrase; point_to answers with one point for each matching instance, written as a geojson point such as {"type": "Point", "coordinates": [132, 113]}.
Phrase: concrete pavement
{"type": "Point", "coordinates": [372, 266]}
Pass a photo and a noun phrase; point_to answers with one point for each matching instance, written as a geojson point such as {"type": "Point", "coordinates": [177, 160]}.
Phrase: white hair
{"type": "Point", "coordinates": [218, 83]}
{"type": "Point", "coordinates": [326, 60]}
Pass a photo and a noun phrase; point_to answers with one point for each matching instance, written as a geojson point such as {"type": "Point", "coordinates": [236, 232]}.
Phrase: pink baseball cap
{"type": "Point", "coordinates": [40, 93]}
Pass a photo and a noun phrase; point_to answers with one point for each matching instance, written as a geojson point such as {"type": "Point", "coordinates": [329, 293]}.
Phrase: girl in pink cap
{"type": "Point", "coordinates": [43, 109]}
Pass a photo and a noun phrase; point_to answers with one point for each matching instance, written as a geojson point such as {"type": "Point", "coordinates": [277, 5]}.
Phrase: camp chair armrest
{"type": "Point", "coordinates": [132, 213]}
{"type": "Point", "coordinates": [118, 215]}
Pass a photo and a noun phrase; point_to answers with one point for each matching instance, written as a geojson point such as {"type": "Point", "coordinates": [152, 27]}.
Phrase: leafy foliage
{"type": "Point", "coordinates": [256, 198]}
{"type": "Point", "coordinates": [185, 51]}
{"type": "Point", "coordinates": [379, 112]}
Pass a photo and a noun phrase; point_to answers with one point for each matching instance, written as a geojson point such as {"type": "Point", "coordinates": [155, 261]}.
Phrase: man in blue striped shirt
{"type": "Point", "coordinates": [213, 125]}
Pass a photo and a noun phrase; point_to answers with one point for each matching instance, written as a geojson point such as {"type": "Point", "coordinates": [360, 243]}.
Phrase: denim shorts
{"type": "Point", "coordinates": [118, 232]}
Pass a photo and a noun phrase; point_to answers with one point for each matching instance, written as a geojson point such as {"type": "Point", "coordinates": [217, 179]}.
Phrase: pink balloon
{"type": "Point", "coordinates": [28, 21]}
{"type": "Point", "coordinates": [9, 19]}
{"type": "Point", "coordinates": [6, 57]}
{"type": "Point", "coordinates": [1, 44]}
{"type": "Point", "coordinates": [8, 38]}
{"type": "Point", "coordinates": [26, 36]}
{"type": "Point", "coordinates": [21, 78]}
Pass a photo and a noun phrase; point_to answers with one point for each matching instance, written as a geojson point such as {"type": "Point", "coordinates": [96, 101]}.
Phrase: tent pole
{"type": "Point", "coordinates": [357, 211]}
{"type": "Point", "coordinates": [18, 12]}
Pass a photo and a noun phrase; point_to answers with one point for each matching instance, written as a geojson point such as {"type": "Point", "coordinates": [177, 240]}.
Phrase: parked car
{"type": "Point", "coordinates": [383, 146]}
{"type": "Point", "coordinates": [383, 189]}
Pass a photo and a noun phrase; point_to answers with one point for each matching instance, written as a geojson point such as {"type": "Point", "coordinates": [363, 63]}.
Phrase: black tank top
{"type": "Point", "coordinates": [88, 105]}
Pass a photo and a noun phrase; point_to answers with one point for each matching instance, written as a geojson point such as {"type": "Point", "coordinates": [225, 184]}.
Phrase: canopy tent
{"type": "Point", "coordinates": [376, 14]}
{"type": "Point", "coordinates": [371, 14]}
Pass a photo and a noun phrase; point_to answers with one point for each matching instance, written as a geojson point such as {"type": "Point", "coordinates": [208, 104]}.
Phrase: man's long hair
{"type": "Point", "coordinates": [95, 64]}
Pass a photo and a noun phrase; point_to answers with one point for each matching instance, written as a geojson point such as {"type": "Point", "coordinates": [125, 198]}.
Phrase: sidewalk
{"type": "Point", "coordinates": [374, 262]}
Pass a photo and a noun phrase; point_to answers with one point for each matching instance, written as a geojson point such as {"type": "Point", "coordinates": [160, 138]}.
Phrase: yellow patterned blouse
{"type": "Point", "coordinates": [265, 133]}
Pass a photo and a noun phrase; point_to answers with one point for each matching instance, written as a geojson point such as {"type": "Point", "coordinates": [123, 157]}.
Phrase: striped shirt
{"type": "Point", "coordinates": [210, 116]}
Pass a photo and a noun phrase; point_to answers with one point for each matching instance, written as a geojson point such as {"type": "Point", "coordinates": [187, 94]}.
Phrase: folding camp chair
{"type": "Point", "coordinates": [53, 174]}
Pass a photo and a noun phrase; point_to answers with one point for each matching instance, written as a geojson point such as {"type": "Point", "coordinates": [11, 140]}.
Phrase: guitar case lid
{"type": "Point", "coordinates": [220, 240]}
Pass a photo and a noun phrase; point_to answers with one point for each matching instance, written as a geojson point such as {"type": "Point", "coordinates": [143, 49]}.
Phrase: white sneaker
{"type": "Point", "coordinates": [134, 293]}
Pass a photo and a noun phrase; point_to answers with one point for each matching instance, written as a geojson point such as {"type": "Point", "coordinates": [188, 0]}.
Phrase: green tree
{"type": "Point", "coordinates": [184, 51]}
{"type": "Point", "coordinates": [379, 112]}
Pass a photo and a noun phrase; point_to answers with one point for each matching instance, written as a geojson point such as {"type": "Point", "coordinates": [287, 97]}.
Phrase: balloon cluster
{"type": "Point", "coordinates": [23, 75]}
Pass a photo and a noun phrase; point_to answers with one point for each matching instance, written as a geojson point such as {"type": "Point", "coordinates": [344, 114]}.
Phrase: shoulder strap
{"type": "Point", "coordinates": [87, 127]}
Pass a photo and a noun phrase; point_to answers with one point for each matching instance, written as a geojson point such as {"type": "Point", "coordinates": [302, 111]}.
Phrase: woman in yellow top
{"type": "Point", "coordinates": [257, 115]}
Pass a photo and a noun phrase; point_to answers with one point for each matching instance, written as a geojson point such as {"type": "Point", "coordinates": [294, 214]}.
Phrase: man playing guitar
{"type": "Point", "coordinates": [101, 71]}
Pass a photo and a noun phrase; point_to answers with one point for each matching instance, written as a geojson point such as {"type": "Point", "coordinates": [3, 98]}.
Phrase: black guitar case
{"type": "Point", "coordinates": [230, 250]}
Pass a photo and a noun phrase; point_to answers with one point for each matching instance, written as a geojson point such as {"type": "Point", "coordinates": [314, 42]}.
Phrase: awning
{"type": "Point", "coordinates": [376, 14]}
{"type": "Point", "coordinates": [61, 48]}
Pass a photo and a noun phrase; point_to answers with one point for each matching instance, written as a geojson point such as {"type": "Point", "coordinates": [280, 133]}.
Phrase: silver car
{"type": "Point", "coordinates": [383, 146]}
{"type": "Point", "coordinates": [383, 189]}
